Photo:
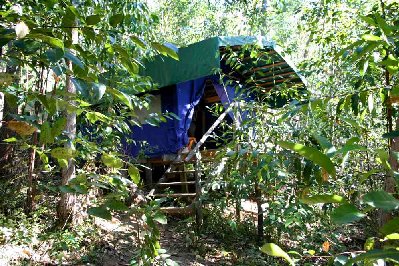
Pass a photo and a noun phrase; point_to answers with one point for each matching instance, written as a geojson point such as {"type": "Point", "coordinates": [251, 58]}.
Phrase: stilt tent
{"type": "Point", "coordinates": [192, 79]}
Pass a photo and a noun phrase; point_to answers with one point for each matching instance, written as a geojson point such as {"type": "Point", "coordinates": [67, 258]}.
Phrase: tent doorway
{"type": "Point", "coordinates": [204, 118]}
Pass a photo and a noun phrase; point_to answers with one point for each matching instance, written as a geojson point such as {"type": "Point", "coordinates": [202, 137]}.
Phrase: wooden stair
{"type": "Point", "coordinates": [179, 185]}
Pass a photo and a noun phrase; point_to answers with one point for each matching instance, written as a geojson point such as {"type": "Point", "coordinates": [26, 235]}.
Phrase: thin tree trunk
{"type": "Point", "coordinates": [31, 193]}
{"type": "Point", "coordinates": [6, 150]}
{"type": "Point", "coordinates": [67, 202]}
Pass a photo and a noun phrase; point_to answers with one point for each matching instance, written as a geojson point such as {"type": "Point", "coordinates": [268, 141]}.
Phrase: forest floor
{"type": "Point", "coordinates": [115, 244]}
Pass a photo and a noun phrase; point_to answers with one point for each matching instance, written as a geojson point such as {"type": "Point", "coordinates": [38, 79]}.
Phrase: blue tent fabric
{"type": "Point", "coordinates": [171, 136]}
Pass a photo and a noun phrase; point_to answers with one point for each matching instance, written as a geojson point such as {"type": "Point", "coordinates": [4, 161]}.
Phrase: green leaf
{"type": "Point", "coordinates": [116, 205]}
{"type": "Point", "coordinates": [116, 19]}
{"type": "Point", "coordinates": [386, 254]}
{"type": "Point", "coordinates": [93, 19]}
{"type": "Point", "coordinates": [13, 139]}
{"type": "Point", "coordinates": [66, 189]}
{"type": "Point", "coordinates": [47, 39]}
{"type": "Point", "coordinates": [138, 41]}
{"type": "Point", "coordinates": [371, 38]}
{"type": "Point", "coordinates": [63, 153]}
{"type": "Point", "coordinates": [325, 144]}
{"type": "Point", "coordinates": [75, 60]}
{"type": "Point", "coordinates": [96, 116]}
{"type": "Point", "coordinates": [369, 245]}
{"type": "Point", "coordinates": [54, 54]}
{"type": "Point", "coordinates": [393, 236]}
{"type": "Point", "coordinates": [165, 50]}
{"type": "Point", "coordinates": [368, 20]}
{"type": "Point", "coordinates": [381, 199]}
{"type": "Point", "coordinates": [351, 147]}
{"type": "Point", "coordinates": [160, 218]}
{"type": "Point", "coordinates": [390, 227]}
{"type": "Point", "coordinates": [272, 249]}
{"type": "Point", "coordinates": [311, 154]}
{"type": "Point", "coordinates": [124, 98]}
{"type": "Point", "coordinates": [366, 175]}
{"type": "Point", "coordinates": [63, 163]}
{"type": "Point", "coordinates": [346, 213]}
{"type": "Point", "coordinates": [58, 127]}
{"type": "Point", "coordinates": [45, 134]}
{"type": "Point", "coordinates": [101, 212]}
{"type": "Point", "coordinates": [134, 174]}
{"type": "Point", "coordinates": [111, 161]}
{"type": "Point", "coordinates": [323, 199]}
{"type": "Point", "coordinates": [391, 135]}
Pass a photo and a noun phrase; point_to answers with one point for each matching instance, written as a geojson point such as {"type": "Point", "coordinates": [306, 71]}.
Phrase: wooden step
{"type": "Point", "coordinates": [178, 210]}
{"type": "Point", "coordinates": [180, 172]}
{"type": "Point", "coordinates": [176, 183]}
{"type": "Point", "coordinates": [175, 195]}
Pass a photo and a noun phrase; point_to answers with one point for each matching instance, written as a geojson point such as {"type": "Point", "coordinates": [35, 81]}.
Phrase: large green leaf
{"type": "Point", "coordinates": [325, 144]}
{"type": "Point", "coordinates": [165, 50]}
{"type": "Point", "coordinates": [124, 98]}
{"type": "Point", "coordinates": [96, 116]}
{"type": "Point", "coordinates": [381, 199]}
{"type": "Point", "coordinates": [45, 134]}
{"type": "Point", "coordinates": [47, 39]}
{"type": "Point", "coordinates": [346, 213]}
{"type": "Point", "coordinates": [101, 212]}
{"type": "Point", "coordinates": [391, 135]}
{"type": "Point", "coordinates": [390, 227]}
{"type": "Point", "coordinates": [111, 161]}
{"type": "Point", "coordinates": [323, 199]}
{"type": "Point", "coordinates": [116, 19]}
{"type": "Point", "coordinates": [272, 249]}
{"type": "Point", "coordinates": [93, 19]}
{"type": "Point", "coordinates": [160, 218]}
{"type": "Point", "coordinates": [74, 59]}
{"type": "Point", "coordinates": [386, 254]}
{"type": "Point", "coordinates": [134, 174]}
{"type": "Point", "coordinates": [116, 205]}
{"type": "Point", "coordinates": [58, 127]}
{"type": "Point", "coordinates": [63, 153]}
{"type": "Point", "coordinates": [311, 154]}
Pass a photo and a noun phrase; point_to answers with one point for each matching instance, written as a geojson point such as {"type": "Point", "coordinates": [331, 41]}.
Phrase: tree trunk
{"type": "Point", "coordinates": [389, 182]}
{"type": "Point", "coordinates": [66, 206]}
{"type": "Point", "coordinates": [6, 150]}
{"type": "Point", "coordinates": [31, 193]}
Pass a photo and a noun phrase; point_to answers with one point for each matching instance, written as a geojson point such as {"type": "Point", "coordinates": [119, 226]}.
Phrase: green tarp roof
{"type": "Point", "coordinates": [203, 58]}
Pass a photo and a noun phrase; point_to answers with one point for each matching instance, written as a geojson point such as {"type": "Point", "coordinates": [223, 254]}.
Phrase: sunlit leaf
{"type": "Point", "coordinates": [160, 218]}
{"type": "Point", "coordinates": [21, 128]}
{"type": "Point", "coordinates": [63, 153]}
{"type": "Point", "coordinates": [323, 199]}
{"type": "Point", "coordinates": [272, 249]}
{"type": "Point", "coordinates": [371, 38]}
{"type": "Point", "coordinates": [47, 39]}
{"type": "Point", "coordinates": [311, 154]}
{"type": "Point", "coordinates": [111, 161]}
{"type": "Point", "coordinates": [134, 174]}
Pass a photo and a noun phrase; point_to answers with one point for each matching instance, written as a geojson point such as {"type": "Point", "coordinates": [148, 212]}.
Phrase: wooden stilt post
{"type": "Point", "coordinates": [198, 202]}
{"type": "Point", "coordinates": [148, 175]}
